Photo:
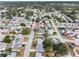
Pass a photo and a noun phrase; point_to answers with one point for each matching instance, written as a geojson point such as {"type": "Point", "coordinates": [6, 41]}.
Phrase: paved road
{"type": "Point", "coordinates": [39, 47]}
{"type": "Point", "coordinates": [28, 46]}
{"type": "Point", "coordinates": [53, 24]}
{"type": "Point", "coordinates": [62, 40]}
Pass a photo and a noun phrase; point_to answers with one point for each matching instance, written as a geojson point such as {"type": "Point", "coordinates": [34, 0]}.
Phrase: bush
{"type": "Point", "coordinates": [22, 24]}
{"type": "Point", "coordinates": [37, 20]}
{"type": "Point", "coordinates": [47, 45]}
{"type": "Point", "coordinates": [25, 31]}
{"type": "Point", "coordinates": [47, 16]}
{"type": "Point", "coordinates": [29, 13]}
{"type": "Point", "coordinates": [61, 48]}
{"type": "Point", "coordinates": [7, 39]}
{"type": "Point", "coordinates": [13, 32]}
{"type": "Point", "coordinates": [4, 55]}
{"type": "Point", "coordinates": [9, 50]}
{"type": "Point", "coordinates": [9, 15]}
{"type": "Point", "coordinates": [27, 17]}
{"type": "Point", "coordinates": [54, 33]}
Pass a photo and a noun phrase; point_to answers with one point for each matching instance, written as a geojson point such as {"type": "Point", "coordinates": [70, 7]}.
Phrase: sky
{"type": "Point", "coordinates": [39, 0]}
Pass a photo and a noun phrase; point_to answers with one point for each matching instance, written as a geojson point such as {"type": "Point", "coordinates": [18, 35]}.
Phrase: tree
{"type": "Point", "coordinates": [61, 48]}
{"type": "Point", "coordinates": [2, 15]}
{"type": "Point", "coordinates": [27, 17]}
{"type": "Point", "coordinates": [7, 39]}
{"type": "Point", "coordinates": [37, 20]}
{"type": "Point", "coordinates": [54, 33]}
{"type": "Point", "coordinates": [47, 45]}
{"type": "Point", "coordinates": [29, 13]}
{"type": "Point", "coordinates": [25, 31]}
{"type": "Point", "coordinates": [4, 55]}
{"type": "Point", "coordinates": [8, 50]}
{"type": "Point", "coordinates": [46, 35]}
{"type": "Point", "coordinates": [48, 49]}
{"type": "Point", "coordinates": [22, 24]}
{"type": "Point", "coordinates": [14, 13]}
{"type": "Point", "coordinates": [47, 16]}
{"type": "Point", "coordinates": [13, 32]}
{"type": "Point", "coordinates": [19, 14]}
{"type": "Point", "coordinates": [9, 15]}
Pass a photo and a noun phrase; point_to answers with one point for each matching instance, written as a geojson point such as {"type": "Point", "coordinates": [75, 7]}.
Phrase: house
{"type": "Point", "coordinates": [3, 46]}
{"type": "Point", "coordinates": [17, 40]}
{"type": "Point", "coordinates": [13, 54]}
{"type": "Point", "coordinates": [1, 36]}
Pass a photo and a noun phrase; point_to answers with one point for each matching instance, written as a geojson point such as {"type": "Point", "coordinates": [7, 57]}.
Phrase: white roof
{"type": "Point", "coordinates": [3, 46]}
{"type": "Point", "coordinates": [3, 11]}
{"type": "Point", "coordinates": [15, 48]}
{"type": "Point", "coordinates": [5, 30]}
{"type": "Point", "coordinates": [1, 37]}
{"type": "Point", "coordinates": [38, 54]}
{"type": "Point", "coordinates": [76, 41]}
{"type": "Point", "coordinates": [13, 54]}
{"type": "Point", "coordinates": [50, 31]}
{"type": "Point", "coordinates": [78, 36]}
{"type": "Point", "coordinates": [19, 36]}
{"type": "Point", "coordinates": [55, 41]}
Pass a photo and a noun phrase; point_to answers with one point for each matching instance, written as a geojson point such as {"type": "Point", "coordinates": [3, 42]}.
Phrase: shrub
{"type": "Point", "coordinates": [25, 31]}
{"type": "Point", "coordinates": [22, 24]}
{"type": "Point", "coordinates": [7, 39]}
{"type": "Point", "coordinates": [61, 48]}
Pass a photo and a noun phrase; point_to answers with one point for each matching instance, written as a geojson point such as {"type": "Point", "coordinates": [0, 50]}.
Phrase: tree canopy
{"type": "Point", "coordinates": [61, 48]}
{"type": "Point", "coordinates": [25, 31]}
{"type": "Point", "coordinates": [7, 39]}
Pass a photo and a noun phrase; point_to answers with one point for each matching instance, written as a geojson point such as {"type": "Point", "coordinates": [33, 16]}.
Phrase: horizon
{"type": "Point", "coordinates": [40, 2]}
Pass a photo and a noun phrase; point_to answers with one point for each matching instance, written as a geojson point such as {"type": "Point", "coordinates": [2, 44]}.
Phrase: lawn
{"type": "Point", "coordinates": [32, 54]}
